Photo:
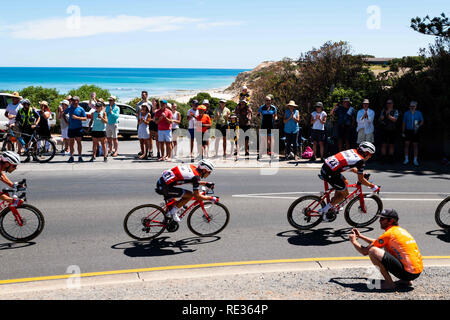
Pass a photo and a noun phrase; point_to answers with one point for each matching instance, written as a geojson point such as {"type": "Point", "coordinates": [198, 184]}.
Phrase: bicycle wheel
{"type": "Point", "coordinates": [356, 217]}
{"type": "Point", "coordinates": [145, 222]}
{"type": "Point", "coordinates": [32, 223]}
{"type": "Point", "coordinates": [208, 221]}
{"type": "Point", "coordinates": [442, 214]}
{"type": "Point", "coordinates": [43, 150]}
{"type": "Point", "coordinates": [303, 213]}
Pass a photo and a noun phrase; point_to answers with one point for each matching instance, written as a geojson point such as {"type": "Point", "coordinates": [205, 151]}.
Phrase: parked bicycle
{"type": "Point", "coordinates": [204, 218]}
{"type": "Point", "coordinates": [442, 214]}
{"type": "Point", "coordinates": [41, 149]}
{"type": "Point", "coordinates": [22, 223]}
{"type": "Point", "coordinates": [360, 210]}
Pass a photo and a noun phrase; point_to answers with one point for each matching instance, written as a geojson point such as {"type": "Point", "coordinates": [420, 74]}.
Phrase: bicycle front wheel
{"type": "Point", "coordinates": [208, 220]}
{"type": "Point", "coordinates": [356, 217]}
{"type": "Point", "coordinates": [145, 222]}
{"type": "Point", "coordinates": [43, 150]}
{"type": "Point", "coordinates": [442, 214]}
{"type": "Point", "coordinates": [303, 213]}
{"type": "Point", "coordinates": [30, 226]}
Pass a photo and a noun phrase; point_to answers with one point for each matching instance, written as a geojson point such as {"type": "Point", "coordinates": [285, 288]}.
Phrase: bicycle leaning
{"type": "Point", "coordinates": [360, 209]}
{"type": "Point", "coordinates": [41, 149]}
{"type": "Point", "coordinates": [442, 214]}
{"type": "Point", "coordinates": [22, 223]}
{"type": "Point", "coordinates": [204, 218]}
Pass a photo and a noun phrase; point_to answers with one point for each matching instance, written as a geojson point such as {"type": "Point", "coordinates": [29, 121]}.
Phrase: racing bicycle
{"type": "Point", "coordinates": [41, 149]}
{"type": "Point", "coordinates": [442, 214]}
{"type": "Point", "coordinates": [204, 218]}
{"type": "Point", "coordinates": [22, 223]}
{"type": "Point", "coordinates": [360, 209]}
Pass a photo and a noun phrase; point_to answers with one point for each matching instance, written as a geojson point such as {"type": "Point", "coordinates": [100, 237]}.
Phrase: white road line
{"type": "Point", "coordinates": [275, 196]}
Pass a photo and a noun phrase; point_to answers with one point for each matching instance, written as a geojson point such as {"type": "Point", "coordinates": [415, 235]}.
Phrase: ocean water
{"type": "Point", "coordinates": [125, 83]}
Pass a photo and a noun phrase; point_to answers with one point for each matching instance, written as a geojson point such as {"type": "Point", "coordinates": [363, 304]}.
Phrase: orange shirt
{"type": "Point", "coordinates": [205, 120]}
{"type": "Point", "coordinates": [398, 242]}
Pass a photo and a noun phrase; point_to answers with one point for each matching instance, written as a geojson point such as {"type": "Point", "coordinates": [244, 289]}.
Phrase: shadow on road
{"type": "Point", "coordinates": [162, 246]}
{"type": "Point", "coordinates": [14, 245]}
{"type": "Point", "coordinates": [319, 237]}
{"type": "Point", "coordinates": [360, 284]}
{"type": "Point", "coordinates": [441, 234]}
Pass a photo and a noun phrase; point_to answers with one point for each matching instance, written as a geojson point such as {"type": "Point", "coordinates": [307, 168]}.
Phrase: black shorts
{"type": "Point", "coordinates": [388, 136]}
{"type": "Point", "coordinates": [222, 128]}
{"type": "Point", "coordinates": [336, 180]}
{"type": "Point", "coordinates": [411, 135]}
{"type": "Point", "coordinates": [394, 266]}
{"type": "Point", "coordinates": [98, 134]}
{"type": "Point", "coordinates": [152, 126]}
{"type": "Point", "coordinates": [168, 191]}
{"type": "Point", "coordinates": [344, 132]}
{"type": "Point", "coordinates": [318, 135]}
{"type": "Point", "coordinates": [75, 133]}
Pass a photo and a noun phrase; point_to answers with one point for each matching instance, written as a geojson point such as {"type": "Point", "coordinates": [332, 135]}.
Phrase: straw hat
{"type": "Point", "coordinates": [16, 95]}
{"type": "Point", "coordinates": [292, 104]}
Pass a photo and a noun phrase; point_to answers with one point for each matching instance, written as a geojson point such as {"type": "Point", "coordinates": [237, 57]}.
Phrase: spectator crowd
{"type": "Point", "coordinates": [158, 124]}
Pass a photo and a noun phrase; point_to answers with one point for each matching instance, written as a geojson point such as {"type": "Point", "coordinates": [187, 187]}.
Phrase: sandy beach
{"type": "Point", "coordinates": [183, 96]}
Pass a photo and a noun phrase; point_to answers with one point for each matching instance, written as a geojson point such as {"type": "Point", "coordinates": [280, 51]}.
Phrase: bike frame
{"type": "Point", "coordinates": [169, 204]}
{"type": "Point", "coordinates": [326, 196]}
{"type": "Point", "coordinates": [4, 204]}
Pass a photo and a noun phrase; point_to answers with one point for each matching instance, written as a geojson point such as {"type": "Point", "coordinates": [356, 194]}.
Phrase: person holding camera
{"type": "Point", "coordinates": [97, 126]}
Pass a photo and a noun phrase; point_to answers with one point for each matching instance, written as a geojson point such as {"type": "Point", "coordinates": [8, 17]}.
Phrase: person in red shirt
{"type": "Point", "coordinates": [164, 118]}
{"type": "Point", "coordinates": [401, 255]}
{"type": "Point", "coordinates": [205, 121]}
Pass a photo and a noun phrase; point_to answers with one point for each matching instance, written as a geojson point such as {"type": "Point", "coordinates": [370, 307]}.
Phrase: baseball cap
{"type": "Point", "coordinates": [223, 100]}
{"type": "Point", "coordinates": [413, 103]}
{"type": "Point", "coordinates": [389, 213]}
{"type": "Point", "coordinates": [76, 98]}
{"type": "Point", "coordinates": [206, 101]}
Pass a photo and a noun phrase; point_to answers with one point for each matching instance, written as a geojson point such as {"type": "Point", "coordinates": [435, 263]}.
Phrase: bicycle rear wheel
{"type": "Point", "coordinates": [303, 213]}
{"type": "Point", "coordinates": [209, 220]}
{"type": "Point", "coordinates": [356, 217]}
{"type": "Point", "coordinates": [32, 223]}
{"type": "Point", "coordinates": [442, 214]}
{"type": "Point", "coordinates": [43, 150]}
{"type": "Point", "coordinates": [145, 222]}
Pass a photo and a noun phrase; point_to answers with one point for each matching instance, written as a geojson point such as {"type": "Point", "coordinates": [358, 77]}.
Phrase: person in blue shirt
{"type": "Point", "coordinates": [112, 128]}
{"type": "Point", "coordinates": [268, 114]}
{"type": "Point", "coordinates": [75, 132]}
{"type": "Point", "coordinates": [412, 121]}
{"type": "Point", "coordinates": [291, 130]}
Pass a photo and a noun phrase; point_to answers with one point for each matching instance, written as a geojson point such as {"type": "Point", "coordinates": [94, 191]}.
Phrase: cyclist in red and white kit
{"type": "Point", "coordinates": [353, 160]}
{"type": "Point", "coordinates": [179, 175]}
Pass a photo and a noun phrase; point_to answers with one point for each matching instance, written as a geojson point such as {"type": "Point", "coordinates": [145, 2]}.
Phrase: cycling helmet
{"type": "Point", "coordinates": [206, 165]}
{"type": "Point", "coordinates": [366, 146]}
{"type": "Point", "coordinates": [11, 157]}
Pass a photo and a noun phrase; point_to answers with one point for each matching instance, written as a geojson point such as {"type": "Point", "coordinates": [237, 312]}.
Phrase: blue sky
{"type": "Point", "coordinates": [202, 33]}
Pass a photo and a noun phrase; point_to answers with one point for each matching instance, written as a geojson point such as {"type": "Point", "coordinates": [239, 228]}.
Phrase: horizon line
{"type": "Point", "coordinates": [234, 68]}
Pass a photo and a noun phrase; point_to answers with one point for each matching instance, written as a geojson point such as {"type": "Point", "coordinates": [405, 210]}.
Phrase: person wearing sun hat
{"type": "Point", "coordinates": [11, 113]}
{"type": "Point", "coordinates": [401, 255]}
{"type": "Point", "coordinates": [291, 129]}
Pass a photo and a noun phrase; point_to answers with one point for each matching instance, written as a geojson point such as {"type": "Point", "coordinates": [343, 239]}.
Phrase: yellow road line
{"type": "Point", "coordinates": [194, 266]}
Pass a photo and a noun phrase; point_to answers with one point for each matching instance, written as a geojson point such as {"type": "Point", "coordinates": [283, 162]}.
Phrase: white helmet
{"type": "Point", "coordinates": [206, 165]}
{"type": "Point", "coordinates": [11, 157]}
{"type": "Point", "coordinates": [366, 146]}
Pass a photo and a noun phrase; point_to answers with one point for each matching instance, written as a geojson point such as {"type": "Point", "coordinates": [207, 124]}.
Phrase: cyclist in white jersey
{"type": "Point", "coordinates": [353, 160]}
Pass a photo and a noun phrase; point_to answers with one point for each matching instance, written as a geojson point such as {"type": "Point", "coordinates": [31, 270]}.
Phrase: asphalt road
{"type": "Point", "coordinates": [84, 212]}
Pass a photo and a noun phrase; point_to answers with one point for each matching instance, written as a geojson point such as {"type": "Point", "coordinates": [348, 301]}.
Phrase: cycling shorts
{"type": "Point", "coordinates": [168, 191]}
{"type": "Point", "coordinates": [335, 179]}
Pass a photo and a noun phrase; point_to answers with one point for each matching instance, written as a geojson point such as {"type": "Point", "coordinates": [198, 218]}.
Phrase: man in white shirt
{"type": "Point", "coordinates": [11, 113]}
{"type": "Point", "coordinates": [365, 118]}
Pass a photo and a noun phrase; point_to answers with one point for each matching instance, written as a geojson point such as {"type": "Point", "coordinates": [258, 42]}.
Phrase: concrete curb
{"type": "Point", "coordinates": [72, 281]}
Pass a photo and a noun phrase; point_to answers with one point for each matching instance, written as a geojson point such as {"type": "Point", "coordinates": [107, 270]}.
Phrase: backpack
{"type": "Point", "coordinates": [308, 153]}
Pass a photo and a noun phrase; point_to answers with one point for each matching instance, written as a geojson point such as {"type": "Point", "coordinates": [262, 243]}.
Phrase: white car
{"type": "Point", "coordinates": [127, 119]}
{"type": "Point", "coordinates": [5, 99]}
